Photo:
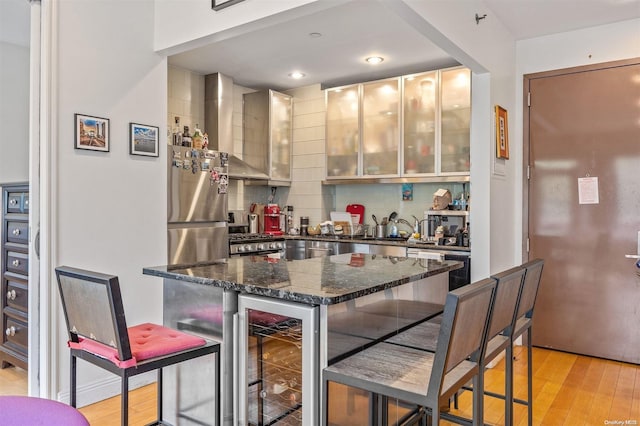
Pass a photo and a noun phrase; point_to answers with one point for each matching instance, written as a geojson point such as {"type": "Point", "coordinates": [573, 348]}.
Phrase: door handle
{"type": "Point", "coordinates": [632, 256]}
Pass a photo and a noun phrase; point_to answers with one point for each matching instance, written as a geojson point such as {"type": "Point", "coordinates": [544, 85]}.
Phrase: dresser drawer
{"type": "Point", "coordinates": [17, 262]}
{"type": "Point", "coordinates": [17, 296]}
{"type": "Point", "coordinates": [25, 202]}
{"type": "Point", "coordinates": [14, 202]}
{"type": "Point", "coordinates": [18, 232]}
{"type": "Point", "coordinates": [16, 335]}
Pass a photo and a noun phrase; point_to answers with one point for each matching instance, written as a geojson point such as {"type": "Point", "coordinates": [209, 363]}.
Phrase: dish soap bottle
{"type": "Point", "coordinates": [197, 138]}
{"type": "Point", "coordinates": [394, 230]}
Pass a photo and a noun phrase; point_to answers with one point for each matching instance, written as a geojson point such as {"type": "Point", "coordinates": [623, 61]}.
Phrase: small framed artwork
{"type": "Point", "coordinates": [221, 4]}
{"type": "Point", "coordinates": [502, 133]}
{"type": "Point", "coordinates": [143, 140]}
{"type": "Point", "coordinates": [91, 133]}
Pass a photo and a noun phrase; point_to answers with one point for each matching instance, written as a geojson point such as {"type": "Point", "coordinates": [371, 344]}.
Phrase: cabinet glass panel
{"type": "Point", "coordinates": [455, 119]}
{"type": "Point", "coordinates": [343, 137]}
{"type": "Point", "coordinates": [420, 123]}
{"type": "Point", "coordinates": [380, 125]}
{"type": "Point", "coordinates": [280, 136]}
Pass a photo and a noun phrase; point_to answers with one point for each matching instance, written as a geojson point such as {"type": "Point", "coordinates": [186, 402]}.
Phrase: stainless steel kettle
{"type": "Point", "coordinates": [253, 224]}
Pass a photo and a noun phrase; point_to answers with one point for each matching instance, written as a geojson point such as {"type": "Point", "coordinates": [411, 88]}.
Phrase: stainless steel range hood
{"type": "Point", "coordinates": [218, 122]}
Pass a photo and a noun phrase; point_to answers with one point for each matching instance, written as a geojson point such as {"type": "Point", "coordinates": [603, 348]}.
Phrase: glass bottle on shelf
{"type": "Point", "coordinates": [186, 137]}
{"type": "Point", "coordinates": [419, 144]}
{"type": "Point", "coordinates": [196, 139]}
{"type": "Point", "coordinates": [343, 143]}
{"type": "Point", "coordinates": [380, 127]}
{"type": "Point", "coordinates": [455, 120]}
{"type": "Point", "coordinates": [177, 134]}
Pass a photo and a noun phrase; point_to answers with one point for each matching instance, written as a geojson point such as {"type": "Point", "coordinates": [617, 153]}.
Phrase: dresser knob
{"type": "Point", "coordinates": [11, 295]}
{"type": "Point", "coordinates": [16, 262]}
{"type": "Point", "coordinates": [10, 331]}
{"type": "Point", "coordinates": [13, 201]}
{"type": "Point", "coordinates": [16, 232]}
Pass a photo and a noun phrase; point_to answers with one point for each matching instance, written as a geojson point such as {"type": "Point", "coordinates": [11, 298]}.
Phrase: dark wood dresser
{"type": "Point", "coordinates": [14, 266]}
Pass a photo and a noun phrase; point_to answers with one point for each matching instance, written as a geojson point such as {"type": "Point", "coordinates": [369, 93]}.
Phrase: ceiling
{"type": "Point", "coordinates": [264, 58]}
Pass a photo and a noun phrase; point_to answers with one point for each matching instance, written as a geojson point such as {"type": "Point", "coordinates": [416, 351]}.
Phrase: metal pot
{"type": "Point", "coordinates": [381, 231]}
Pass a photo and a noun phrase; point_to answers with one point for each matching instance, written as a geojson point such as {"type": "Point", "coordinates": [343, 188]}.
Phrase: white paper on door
{"type": "Point", "coordinates": [588, 190]}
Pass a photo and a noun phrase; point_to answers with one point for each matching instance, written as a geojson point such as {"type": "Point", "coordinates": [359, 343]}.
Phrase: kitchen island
{"type": "Point", "coordinates": [314, 310]}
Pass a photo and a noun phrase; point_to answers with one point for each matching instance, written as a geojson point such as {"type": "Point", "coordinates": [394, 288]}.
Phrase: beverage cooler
{"type": "Point", "coordinates": [277, 362]}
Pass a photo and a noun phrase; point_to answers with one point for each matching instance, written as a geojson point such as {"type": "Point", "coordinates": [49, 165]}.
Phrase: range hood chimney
{"type": "Point", "coordinates": [218, 122]}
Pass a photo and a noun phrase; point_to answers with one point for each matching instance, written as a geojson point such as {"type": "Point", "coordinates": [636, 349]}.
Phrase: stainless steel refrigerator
{"type": "Point", "coordinates": [198, 181]}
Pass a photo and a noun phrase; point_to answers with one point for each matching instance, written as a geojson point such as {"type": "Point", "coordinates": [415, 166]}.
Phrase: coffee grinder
{"type": "Point", "coordinates": [272, 219]}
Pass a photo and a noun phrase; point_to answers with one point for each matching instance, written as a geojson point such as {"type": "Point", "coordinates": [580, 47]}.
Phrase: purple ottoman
{"type": "Point", "coordinates": [31, 411]}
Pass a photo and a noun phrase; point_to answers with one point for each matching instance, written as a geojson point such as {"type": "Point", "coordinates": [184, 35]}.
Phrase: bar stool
{"type": "Point", "coordinates": [425, 336]}
{"type": "Point", "coordinates": [98, 334]}
{"type": "Point", "coordinates": [426, 379]}
{"type": "Point", "coordinates": [32, 411]}
{"type": "Point", "coordinates": [523, 324]}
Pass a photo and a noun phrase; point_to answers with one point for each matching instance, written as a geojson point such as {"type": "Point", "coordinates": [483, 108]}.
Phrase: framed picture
{"type": "Point", "coordinates": [502, 133]}
{"type": "Point", "coordinates": [92, 133]}
{"type": "Point", "coordinates": [143, 140]}
{"type": "Point", "coordinates": [221, 4]}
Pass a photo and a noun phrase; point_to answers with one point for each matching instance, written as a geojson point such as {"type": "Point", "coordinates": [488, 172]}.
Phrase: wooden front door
{"type": "Point", "coordinates": [582, 132]}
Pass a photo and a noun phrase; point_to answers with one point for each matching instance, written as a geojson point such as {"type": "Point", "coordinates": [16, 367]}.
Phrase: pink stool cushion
{"type": "Point", "coordinates": [147, 341]}
{"type": "Point", "coordinates": [31, 411]}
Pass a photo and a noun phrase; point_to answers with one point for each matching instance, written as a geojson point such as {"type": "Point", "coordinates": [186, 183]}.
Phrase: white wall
{"type": "Point", "coordinates": [571, 49]}
{"type": "Point", "coordinates": [14, 90]}
{"type": "Point", "coordinates": [109, 209]}
{"type": "Point", "coordinates": [182, 21]}
{"type": "Point", "coordinates": [14, 112]}
{"type": "Point", "coordinates": [489, 50]}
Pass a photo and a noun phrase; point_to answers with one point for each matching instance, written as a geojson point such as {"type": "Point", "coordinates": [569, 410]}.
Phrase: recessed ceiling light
{"type": "Point", "coordinates": [373, 60]}
{"type": "Point", "coordinates": [297, 75]}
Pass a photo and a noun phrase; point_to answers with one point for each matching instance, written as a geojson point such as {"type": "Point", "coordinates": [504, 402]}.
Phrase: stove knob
{"type": "Point", "coordinates": [260, 246]}
{"type": "Point", "coordinates": [240, 248]}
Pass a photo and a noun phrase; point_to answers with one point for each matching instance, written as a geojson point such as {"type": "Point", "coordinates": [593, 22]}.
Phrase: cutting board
{"type": "Point", "coordinates": [356, 209]}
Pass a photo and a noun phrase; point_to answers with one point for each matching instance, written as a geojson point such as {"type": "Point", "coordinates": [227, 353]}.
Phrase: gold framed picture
{"type": "Point", "coordinates": [502, 133]}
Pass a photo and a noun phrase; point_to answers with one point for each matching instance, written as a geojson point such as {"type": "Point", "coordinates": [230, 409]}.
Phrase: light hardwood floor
{"type": "Point", "coordinates": [568, 390]}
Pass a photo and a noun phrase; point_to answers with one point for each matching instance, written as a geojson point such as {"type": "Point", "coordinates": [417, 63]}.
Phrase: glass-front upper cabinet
{"type": "Point", "coordinates": [342, 131]}
{"type": "Point", "coordinates": [267, 133]}
{"type": "Point", "coordinates": [420, 95]}
{"type": "Point", "coordinates": [455, 120]}
{"type": "Point", "coordinates": [380, 127]}
{"type": "Point", "coordinates": [281, 131]}
{"type": "Point", "coordinates": [424, 117]}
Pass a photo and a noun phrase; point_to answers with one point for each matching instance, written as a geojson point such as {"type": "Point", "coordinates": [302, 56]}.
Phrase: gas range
{"type": "Point", "coordinates": [254, 244]}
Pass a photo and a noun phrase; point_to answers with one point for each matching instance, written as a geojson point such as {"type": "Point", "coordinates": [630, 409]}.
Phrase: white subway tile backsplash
{"type": "Point", "coordinates": [306, 134]}
{"type": "Point", "coordinates": [308, 174]}
{"type": "Point", "coordinates": [308, 147]}
{"type": "Point", "coordinates": [308, 161]}
{"type": "Point", "coordinates": [313, 119]}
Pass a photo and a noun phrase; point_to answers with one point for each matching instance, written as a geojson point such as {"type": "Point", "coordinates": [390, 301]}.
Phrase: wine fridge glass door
{"type": "Point", "coordinates": [278, 362]}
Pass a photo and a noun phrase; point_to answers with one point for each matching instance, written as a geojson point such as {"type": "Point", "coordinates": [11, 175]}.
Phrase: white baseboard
{"type": "Point", "coordinates": [100, 390]}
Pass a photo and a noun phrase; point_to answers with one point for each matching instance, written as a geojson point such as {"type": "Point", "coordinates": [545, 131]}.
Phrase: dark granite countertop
{"type": "Point", "coordinates": [318, 281]}
{"type": "Point", "coordinates": [401, 242]}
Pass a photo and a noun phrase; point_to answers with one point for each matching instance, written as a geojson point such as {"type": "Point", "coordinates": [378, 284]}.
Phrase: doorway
{"type": "Point", "coordinates": [582, 145]}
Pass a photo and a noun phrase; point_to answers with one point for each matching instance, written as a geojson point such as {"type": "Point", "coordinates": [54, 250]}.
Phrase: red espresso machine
{"type": "Point", "coordinates": [272, 219]}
